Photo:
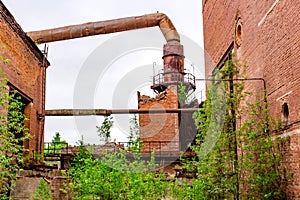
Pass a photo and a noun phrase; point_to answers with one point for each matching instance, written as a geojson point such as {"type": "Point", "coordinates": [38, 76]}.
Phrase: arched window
{"type": "Point", "coordinates": [238, 32]}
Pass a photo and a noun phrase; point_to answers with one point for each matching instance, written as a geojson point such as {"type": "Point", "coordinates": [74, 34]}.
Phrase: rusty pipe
{"type": "Point", "coordinates": [172, 52]}
{"type": "Point", "coordinates": [107, 112]}
{"type": "Point", "coordinates": [110, 26]}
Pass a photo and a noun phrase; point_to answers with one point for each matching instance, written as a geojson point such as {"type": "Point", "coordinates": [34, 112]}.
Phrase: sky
{"type": "Point", "coordinates": [106, 71]}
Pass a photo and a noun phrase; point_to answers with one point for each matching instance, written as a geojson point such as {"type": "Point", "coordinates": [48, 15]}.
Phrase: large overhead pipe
{"type": "Point", "coordinates": [109, 26]}
{"type": "Point", "coordinates": [107, 112]}
{"type": "Point", "coordinates": [173, 50]}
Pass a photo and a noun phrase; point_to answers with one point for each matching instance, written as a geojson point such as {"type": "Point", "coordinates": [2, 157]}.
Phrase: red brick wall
{"type": "Point", "coordinates": [269, 44]}
{"type": "Point", "coordinates": [25, 72]}
{"type": "Point", "coordinates": [160, 127]}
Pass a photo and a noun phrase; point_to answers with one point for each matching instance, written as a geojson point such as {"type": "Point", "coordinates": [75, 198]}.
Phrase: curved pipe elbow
{"type": "Point", "coordinates": [167, 28]}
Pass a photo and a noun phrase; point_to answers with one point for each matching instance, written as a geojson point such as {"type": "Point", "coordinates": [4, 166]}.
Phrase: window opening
{"type": "Point", "coordinates": [24, 100]}
{"type": "Point", "coordinates": [238, 32]}
{"type": "Point", "coordinates": [285, 114]}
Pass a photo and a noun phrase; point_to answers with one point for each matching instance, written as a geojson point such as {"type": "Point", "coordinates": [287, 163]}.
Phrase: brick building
{"type": "Point", "coordinates": [265, 34]}
{"type": "Point", "coordinates": [26, 73]}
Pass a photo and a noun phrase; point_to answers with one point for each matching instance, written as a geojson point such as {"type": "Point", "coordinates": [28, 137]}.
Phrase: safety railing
{"type": "Point", "coordinates": [55, 149]}
{"type": "Point", "coordinates": [174, 77]}
{"type": "Point", "coordinates": [159, 147]}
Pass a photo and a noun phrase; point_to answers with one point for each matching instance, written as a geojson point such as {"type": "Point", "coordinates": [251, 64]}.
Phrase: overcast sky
{"type": "Point", "coordinates": [68, 58]}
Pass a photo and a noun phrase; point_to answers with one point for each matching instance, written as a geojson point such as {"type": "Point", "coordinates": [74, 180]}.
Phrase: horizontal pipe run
{"type": "Point", "coordinates": [109, 26]}
{"type": "Point", "coordinates": [107, 112]}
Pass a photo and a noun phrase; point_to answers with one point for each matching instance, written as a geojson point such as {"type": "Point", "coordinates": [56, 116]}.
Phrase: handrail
{"type": "Point", "coordinates": [54, 149]}
{"type": "Point", "coordinates": [157, 146]}
{"type": "Point", "coordinates": [187, 78]}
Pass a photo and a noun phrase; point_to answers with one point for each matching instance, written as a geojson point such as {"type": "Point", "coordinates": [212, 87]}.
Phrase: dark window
{"type": "Point", "coordinates": [285, 114]}
{"type": "Point", "coordinates": [227, 56]}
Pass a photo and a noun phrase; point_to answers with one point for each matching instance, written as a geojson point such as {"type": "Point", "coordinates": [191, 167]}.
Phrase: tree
{"type": "Point", "coordinates": [56, 138]}
{"type": "Point", "coordinates": [135, 143]}
{"type": "Point", "coordinates": [56, 145]}
{"type": "Point", "coordinates": [104, 131]}
{"type": "Point", "coordinates": [134, 129]}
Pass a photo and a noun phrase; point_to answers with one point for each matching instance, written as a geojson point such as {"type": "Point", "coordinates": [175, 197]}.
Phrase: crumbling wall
{"type": "Point", "coordinates": [161, 130]}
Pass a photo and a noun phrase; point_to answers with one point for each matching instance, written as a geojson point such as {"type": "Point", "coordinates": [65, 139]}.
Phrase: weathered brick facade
{"type": "Point", "coordinates": [266, 35]}
{"type": "Point", "coordinates": [26, 72]}
{"type": "Point", "coordinates": [160, 130]}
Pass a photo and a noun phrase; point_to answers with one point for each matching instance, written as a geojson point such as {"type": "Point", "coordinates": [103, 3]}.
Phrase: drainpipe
{"type": "Point", "coordinates": [172, 51]}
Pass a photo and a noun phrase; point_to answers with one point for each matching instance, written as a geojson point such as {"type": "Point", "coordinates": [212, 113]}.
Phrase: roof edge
{"type": "Point", "coordinates": [9, 18]}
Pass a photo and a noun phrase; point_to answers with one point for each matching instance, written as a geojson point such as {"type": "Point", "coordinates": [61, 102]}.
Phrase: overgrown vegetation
{"type": "Point", "coordinates": [244, 162]}
{"type": "Point", "coordinates": [238, 155]}
{"type": "Point", "coordinates": [12, 134]}
{"type": "Point", "coordinates": [114, 177]}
